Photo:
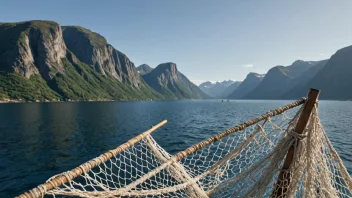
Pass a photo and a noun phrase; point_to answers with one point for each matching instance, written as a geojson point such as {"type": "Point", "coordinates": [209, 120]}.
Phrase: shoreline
{"type": "Point", "coordinates": [62, 101]}
{"type": "Point", "coordinates": [8, 101]}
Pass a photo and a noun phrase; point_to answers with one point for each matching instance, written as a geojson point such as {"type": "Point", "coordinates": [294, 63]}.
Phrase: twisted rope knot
{"type": "Point", "coordinates": [297, 136]}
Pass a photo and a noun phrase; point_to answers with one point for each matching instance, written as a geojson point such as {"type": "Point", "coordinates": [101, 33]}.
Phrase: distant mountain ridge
{"type": "Point", "coordinates": [334, 78]}
{"type": "Point", "coordinates": [230, 89]}
{"type": "Point", "coordinates": [251, 81]}
{"type": "Point", "coordinates": [217, 89]}
{"type": "Point", "coordinates": [279, 80]}
{"type": "Point", "coordinates": [297, 86]}
{"type": "Point", "coordinates": [40, 60]}
{"type": "Point", "coordinates": [168, 81]}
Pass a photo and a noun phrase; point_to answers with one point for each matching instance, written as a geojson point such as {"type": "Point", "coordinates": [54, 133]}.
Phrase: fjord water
{"type": "Point", "coordinates": [39, 140]}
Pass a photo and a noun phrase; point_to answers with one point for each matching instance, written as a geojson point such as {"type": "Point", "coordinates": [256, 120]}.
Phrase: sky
{"type": "Point", "coordinates": [208, 40]}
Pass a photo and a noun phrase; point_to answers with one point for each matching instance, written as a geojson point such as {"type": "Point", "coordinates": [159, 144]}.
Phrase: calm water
{"type": "Point", "coordinates": [38, 141]}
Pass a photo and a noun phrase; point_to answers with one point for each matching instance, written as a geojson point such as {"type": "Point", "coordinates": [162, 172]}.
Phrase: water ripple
{"type": "Point", "coordinates": [41, 140]}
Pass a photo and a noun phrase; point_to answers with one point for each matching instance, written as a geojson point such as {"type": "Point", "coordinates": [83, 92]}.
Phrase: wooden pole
{"type": "Point", "coordinates": [196, 147]}
{"type": "Point", "coordinates": [284, 179]}
{"type": "Point", "coordinates": [182, 154]}
{"type": "Point", "coordinates": [72, 174]}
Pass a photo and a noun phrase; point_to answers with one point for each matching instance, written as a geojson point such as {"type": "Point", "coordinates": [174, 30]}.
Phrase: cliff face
{"type": "Point", "coordinates": [32, 47]}
{"type": "Point", "coordinates": [36, 64]}
{"type": "Point", "coordinates": [93, 49]}
{"type": "Point", "coordinates": [168, 81]}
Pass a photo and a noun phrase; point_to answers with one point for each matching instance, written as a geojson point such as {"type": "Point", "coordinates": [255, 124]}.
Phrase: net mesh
{"type": "Point", "coordinates": [243, 164]}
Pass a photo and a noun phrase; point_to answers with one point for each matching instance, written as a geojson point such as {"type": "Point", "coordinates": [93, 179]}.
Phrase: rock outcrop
{"type": "Point", "coordinates": [93, 49]}
{"type": "Point", "coordinates": [32, 47]}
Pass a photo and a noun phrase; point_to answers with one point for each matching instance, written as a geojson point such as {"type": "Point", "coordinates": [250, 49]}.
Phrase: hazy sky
{"type": "Point", "coordinates": [207, 39]}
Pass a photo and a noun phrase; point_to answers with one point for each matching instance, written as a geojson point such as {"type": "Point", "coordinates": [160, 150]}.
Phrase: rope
{"type": "Point", "coordinates": [243, 164]}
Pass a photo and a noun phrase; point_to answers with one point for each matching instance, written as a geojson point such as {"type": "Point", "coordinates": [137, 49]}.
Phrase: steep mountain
{"type": "Point", "coordinates": [217, 89]}
{"type": "Point", "coordinates": [334, 79]}
{"type": "Point", "coordinates": [279, 80]}
{"type": "Point", "coordinates": [230, 89]}
{"type": "Point", "coordinates": [144, 69]}
{"type": "Point", "coordinates": [171, 83]}
{"type": "Point", "coordinates": [29, 53]}
{"type": "Point", "coordinates": [299, 84]}
{"type": "Point", "coordinates": [40, 61]}
{"type": "Point", "coordinates": [250, 83]}
{"type": "Point", "coordinates": [93, 49]}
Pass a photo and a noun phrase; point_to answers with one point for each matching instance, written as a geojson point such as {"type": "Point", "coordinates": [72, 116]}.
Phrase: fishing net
{"type": "Point", "coordinates": [244, 161]}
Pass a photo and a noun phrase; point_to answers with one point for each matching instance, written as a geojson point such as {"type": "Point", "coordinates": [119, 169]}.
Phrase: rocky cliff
{"type": "Point", "coordinates": [32, 47]}
{"type": "Point", "coordinates": [93, 49]}
{"type": "Point", "coordinates": [41, 60]}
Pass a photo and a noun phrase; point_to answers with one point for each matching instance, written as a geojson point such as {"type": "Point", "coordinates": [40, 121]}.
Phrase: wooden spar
{"type": "Point", "coordinates": [72, 174]}
{"type": "Point", "coordinates": [237, 128]}
{"type": "Point", "coordinates": [182, 154]}
{"type": "Point", "coordinates": [61, 179]}
{"type": "Point", "coordinates": [285, 177]}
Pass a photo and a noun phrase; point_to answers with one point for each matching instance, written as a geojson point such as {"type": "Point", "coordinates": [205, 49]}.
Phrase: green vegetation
{"type": "Point", "coordinates": [82, 82]}
{"type": "Point", "coordinates": [175, 86]}
{"type": "Point", "coordinates": [78, 80]}
{"type": "Point", "coordinates": [15, 86]}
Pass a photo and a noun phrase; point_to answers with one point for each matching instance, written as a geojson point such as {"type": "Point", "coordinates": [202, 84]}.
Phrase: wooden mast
{"type": "Point", "coordinates": [284, 178]}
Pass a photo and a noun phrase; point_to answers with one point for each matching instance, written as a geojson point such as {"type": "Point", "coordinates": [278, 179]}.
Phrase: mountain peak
{"type": "Point", "coordinates": [167, 80]}
{"type": "Point", "coordinates": [298, 62]}
{"type": "Point", "coordinates": [168, 65]}
{"type": "Point", "coordinates": [249, 84]}
{"type": "Point", "coordinates": [216, 89]}
{"type": "Point", "coordinates": [304, 63]}
{"type": "Point", "coordinates": [169, 68]}
{"type": "Point", "coordinates": [255, 75]}
{"type": "Point", "coordinates": [144, 69]}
